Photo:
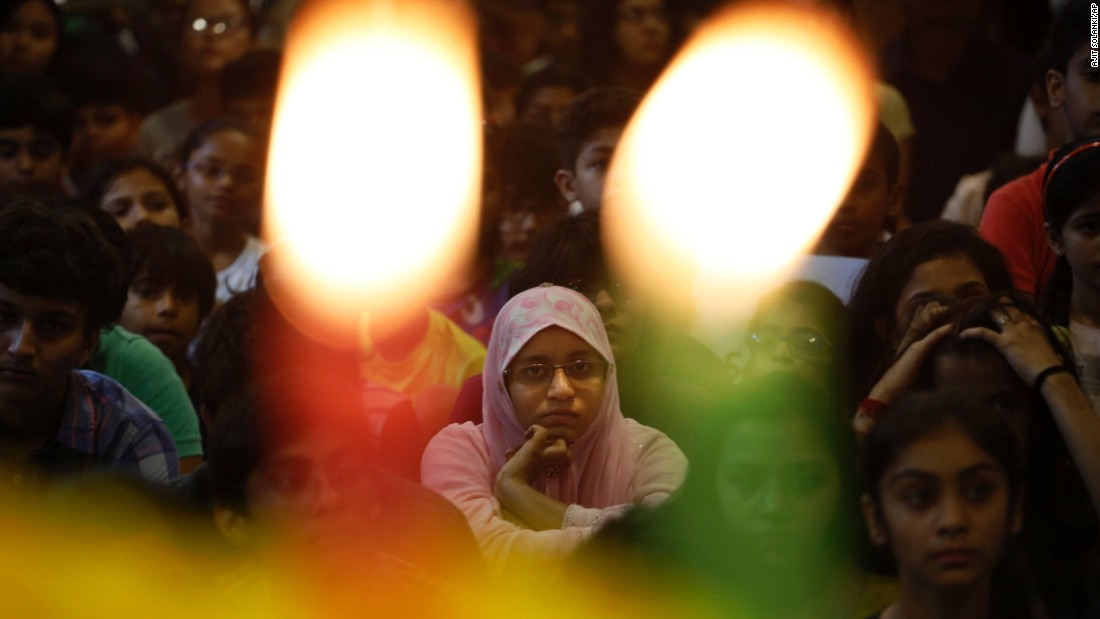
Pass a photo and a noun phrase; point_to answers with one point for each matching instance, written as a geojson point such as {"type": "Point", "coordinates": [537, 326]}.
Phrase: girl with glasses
{"type": "Point", "coordinates": [213, 33]}
{"type": "Point", "coordinates": [554, 458]}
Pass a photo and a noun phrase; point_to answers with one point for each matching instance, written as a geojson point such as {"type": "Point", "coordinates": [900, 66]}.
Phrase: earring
{"type": "Point", "coordinates": [575, 208]}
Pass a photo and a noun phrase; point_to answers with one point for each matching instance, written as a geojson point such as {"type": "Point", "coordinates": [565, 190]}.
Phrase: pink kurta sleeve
{"type": "Point", "coordinates": [456, 465]}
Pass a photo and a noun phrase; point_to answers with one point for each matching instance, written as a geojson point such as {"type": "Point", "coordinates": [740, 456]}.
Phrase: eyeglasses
{"type": "Point", "coordinates": [39, 149]}
{"type": "Point", "coordinates": [591, 288]}
{"type": "Point", "coordinates": [803, 342]}
{"type": "Point", "coordinates": [216, 26]}
{"type": "Point", "coordinates": [217, 171]}
{"type": "Point", "coordinates": [540, 374]}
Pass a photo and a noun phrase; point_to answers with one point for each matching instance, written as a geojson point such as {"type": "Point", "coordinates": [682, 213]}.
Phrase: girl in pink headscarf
{"type": "Point", "coordinates": [554, 457]}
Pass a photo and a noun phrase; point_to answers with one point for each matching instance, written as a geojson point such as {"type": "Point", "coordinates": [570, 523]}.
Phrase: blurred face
{"type": "Point", "coordinates": [856, 228]}
{"type": "Point", "coordinates": [564, 400]}
{"type": "Point", "coordinates": [564, 30]}
{"type": "Point", "coordinates": [642, 32]}
{"type": "Point", "coordinates": [952, 276]}
{"type": "Point", "coordinates": [989, 378]}
{"type": "Point", "coordinates": [103, 132]}
{"type": "Point", "coordinates": [136, 196]}
{"type": "Point", "coordinates": [30, 162]}
{"type": "Point", "coordinates": [42, 340]}
{"type": "Point", "coordinates": [316, 493]}
{"type": "Point", "coordinates": [945, 511]}
{"type": "Point", "coordinates": [166, 316]}
{"type": "Point", "coordinates": [215, 33]}
{"type": "Point", "coordinates": [520, 226]}
{"type": "Point", "coordinates": [778, 488]}
{"type": "Point", "coordinates": [223, 179]}
{"type": "Point", "coordinates": [28, 40]}
{"type": "Point", "coordinates": [620, 310]}
{"type": "Point", "coordinates": [1079, 242]}
{"type": "Point", "coordinates": [585, 181]}
{"type": "Point", "coordinates": [790, 338]}
{"type": "Point", "coordinates": [548, 104]}
{"type": "Point", "coordinates": [256, 112]}
{"type": "Point", "coordinates": [1077, 93]}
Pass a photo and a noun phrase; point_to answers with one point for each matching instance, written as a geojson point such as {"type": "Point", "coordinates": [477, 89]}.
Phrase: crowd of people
{"type": "Point", "coordinates": [924, 442]}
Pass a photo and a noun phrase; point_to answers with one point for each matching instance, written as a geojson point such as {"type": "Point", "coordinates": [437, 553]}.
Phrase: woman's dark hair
{"type": "Point", "coordinates": [566, 252]}
{"type": "Point", "coordinates": [1059, 521]}
{"type": "Point", "coordinates": [1072, 179]}
{"type": "Point", "coordinates": [922, 414]}
{"type": "Point", "coordinates": [880, 285]}
{"type": "Point", "coordinates": [105, 174]}
{"type": "Point", "coordinates": [58, 249]}
{"type": "Point", "coordinates": [170, 258]}
{"type": "Point", "coordinates": [200, 134]}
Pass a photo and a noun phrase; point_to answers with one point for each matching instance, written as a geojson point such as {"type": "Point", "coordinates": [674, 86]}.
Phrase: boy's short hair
{"type": "Point", "coordinates": [885, 148]}
{"type": "Point", "coordinates": [58, 249]}
{"type": "Point", "coordinates": [1069, 32]}
{"type": "Point", "coordinates": [555, 75]}
{"type": "Point", "coordinates": [256, 74]}
{"type": "Point", "coordinates": [594, 110]}
{"type": "Point", "coordinates": [31, 102]}
{"type": "Point", "coordinates": [168, 257]}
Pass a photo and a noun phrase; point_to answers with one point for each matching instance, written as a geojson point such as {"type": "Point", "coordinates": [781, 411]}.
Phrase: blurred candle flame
{"type": "Point", "coordinates": [374, 174]}
{"type": "Point", "coordinates": [738, 156]}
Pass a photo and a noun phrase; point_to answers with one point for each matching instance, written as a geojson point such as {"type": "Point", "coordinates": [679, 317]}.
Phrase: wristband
{"type": "Point", "coordinates": [1045, 374]}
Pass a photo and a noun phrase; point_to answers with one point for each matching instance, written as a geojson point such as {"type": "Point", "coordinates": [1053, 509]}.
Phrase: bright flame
{"type": "Point", "coordinates": [373, 178]}
{"type": "Point", "coordinates": [736, 159]}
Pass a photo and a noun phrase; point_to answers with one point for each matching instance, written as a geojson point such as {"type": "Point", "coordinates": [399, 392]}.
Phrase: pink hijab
{"type": "Point", "coordinates": [602, 469]}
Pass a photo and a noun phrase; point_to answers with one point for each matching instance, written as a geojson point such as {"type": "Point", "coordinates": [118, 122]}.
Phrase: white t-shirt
{"type": "Point", "coordinates": [241, 275]}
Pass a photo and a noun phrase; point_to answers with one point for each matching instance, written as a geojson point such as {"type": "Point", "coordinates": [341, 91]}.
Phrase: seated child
{"type": "Point", "coordinates": [61, 281]}
{"type": "Point", "coordinates": [106, 117]}
{"type": "Point", "coordinates": [171, 292]}
{"type": "Point", "coordinates": [860, 223]}
{"type": "Point", "coordinates": [588, 132]}
{"type": "Point", "coordinates": [134, 190]}
{"type": "Point", "coordinates": [35, 132]}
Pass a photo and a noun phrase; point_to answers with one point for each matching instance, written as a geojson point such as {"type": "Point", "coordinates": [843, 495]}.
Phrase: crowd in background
{"type": "Point", "coordinates": [913, 434]}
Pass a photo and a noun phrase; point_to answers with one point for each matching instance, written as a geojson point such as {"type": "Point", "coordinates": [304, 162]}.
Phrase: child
{"type": "Point", "coordinates": [171, 292]}
{"type": "Point", "coordinates": [221, 177]}
{"type": "Point", "coordinates": [107, 116]}
{"type": "Point", "coordinates": [860, 224]}
{"type": "Point", "coordinates": [628, 42]}
{"type": "Point", "coordinates": [30, 35]}
{"type": "Point", "coordinates": [248, 86]}
{"type": "Point", "coordinates": [213, 33]}
{"type": "Point", "coordinates": [1072, 214]}
{"type": "Point", "coordinates": [546, 94]}
{"type": "Point", "coordinates": [943, 480]}
{"type": "Point", "coordinates": [35, 132]}
{"type": "Point", "coordinates": [1013, 217]}
{"type": "Point", "coordinates": [587, 135]}
{"type": "Point", "coordinates": [134, 190]}
{"type": "Point", "coordinates": [61, 281]}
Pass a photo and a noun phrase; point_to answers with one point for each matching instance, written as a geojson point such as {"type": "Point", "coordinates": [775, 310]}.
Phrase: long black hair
{"type": "Point", "coordinates": [1072, 179]}
{"type": "Point", "coordinates": [924, 413]}
{"type": "Point", "coordinates": [880, 285]}
{"type": "Point", "coordinates": [1060, 524]}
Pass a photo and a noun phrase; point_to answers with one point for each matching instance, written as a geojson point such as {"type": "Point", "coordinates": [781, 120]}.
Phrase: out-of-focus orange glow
{"type": "Point", "coordinates": [738, 156]}
{"type": "Point", "coordinates": [374, 173]}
